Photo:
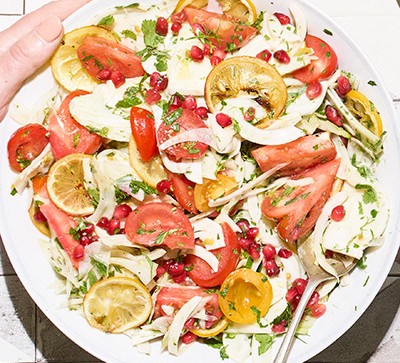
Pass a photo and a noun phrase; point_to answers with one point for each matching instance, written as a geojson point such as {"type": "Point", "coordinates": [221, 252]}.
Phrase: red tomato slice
{"type": "Point", "coordinates": [321, 68]}
{"type": "Point", "coordinates": [223, 30]}
{"type": "Point", "coordinates": [155, 224]}
{"type": "Point", "coordinates": [98, 53]}
{"type": "Point", "coordinates": [178, 296]}
{"type": "Point", "coordinates": [303, 153]}
{"type": "Point", "coordinates": [25, 145]}
{"type": "Point", "coordinates": [67, 136]}
{"type": "Point", "coordinates": [298, 209]}
{"type": "Point", "coordinates": [144, 132]}
{"type": "Point", "coordinates": [183, 192]}
{"type": "Point", "coordinates": [184, 150]}
{"type": "Point", "coordinates": [228, 257]}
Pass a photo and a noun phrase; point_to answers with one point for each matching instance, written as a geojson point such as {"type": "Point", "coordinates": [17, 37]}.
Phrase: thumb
{"type": "Point", "coordinates": [25, 56]}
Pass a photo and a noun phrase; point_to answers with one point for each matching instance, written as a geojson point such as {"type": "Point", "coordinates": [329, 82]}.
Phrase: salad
{"type": "Point", "coordinates": [188, 148]}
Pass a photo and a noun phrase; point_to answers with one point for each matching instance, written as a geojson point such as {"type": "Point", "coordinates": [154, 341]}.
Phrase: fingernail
{"type": "Point", "coordinates": [50, 29]}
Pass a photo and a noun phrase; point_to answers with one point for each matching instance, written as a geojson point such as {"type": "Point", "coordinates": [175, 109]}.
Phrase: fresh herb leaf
{"type": "Point", "coordinates": [133, 5]}
{"type": "Point", "coordinates": [258, 315]}
{"type": "Point", "coordinates": [127, 33]}
{"type": "Point", "coordinates": [327, 31]}
{"type": "Point", "coordinates": [130, 99]}
{"type": "Point", "coordinates": [107, 21]}
{"type": "Point", "coordinates": [101, 267]}
{"type": "Point", "coordinates": [170, 118]}
{"type": "Point", "coordinates": [369, 195]}
{"type": "Point", "coordinates": [258, 23]}
{"type": "Point", "coordinates": [151, 38]}
{"type": "Point", "coordinates": [120, 195]}
{"type": "Point", "coordinates": [372, 83]}
{"type": "Point", "coordinates": [361, 263]}
{"type": "Point", "coordinates": [265, 341]}
{"type": "Point", "coordinates": [136, 185]}
{"type": "Point", "coordinates": [285, 316]}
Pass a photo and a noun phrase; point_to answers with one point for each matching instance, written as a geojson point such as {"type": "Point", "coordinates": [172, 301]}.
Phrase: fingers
{"type": "Point", "coordinates": [26, 56]}
{"type": "Point", "coordinates": [61, 9]}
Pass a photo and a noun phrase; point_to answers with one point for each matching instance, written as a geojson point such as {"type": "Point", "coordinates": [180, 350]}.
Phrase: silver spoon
{"type": "Point", "coordinates": [316, 276]}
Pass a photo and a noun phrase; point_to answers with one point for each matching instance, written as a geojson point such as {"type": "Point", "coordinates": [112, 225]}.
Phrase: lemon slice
{"type": "Point", "coordinates": [213, 331]}
{"type": "Point", "coordinates": [236, 76]}
{"type": "Point", "coordinates": [117, 304]}
{"type": "Point", "coordinates": [151, 172]}
{"type": "Point", "coordinates": [365, 111]}
{"type": "Point", "coordinates": [193, 3]}
{"type": "Point", "coordinates": [242, 10]}
{"type": "Point", "coordinates": [67, 68]}
{"type": "Point", "coordinates": [65, 186]}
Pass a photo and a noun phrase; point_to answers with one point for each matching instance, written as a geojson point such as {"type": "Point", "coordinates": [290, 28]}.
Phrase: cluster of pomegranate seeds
{"type": "Point", "coordinates": [223, 119]}
{"type": "Point", "coordinates": [107, 74]}
{"type": "Point", "coordinates": [269, 263]}
{"type": "Point", "coordinates": [176, 269]}
{"type": "Point", "coordinates": [247, 239]}
{"type": "Point", "coordinates": [283, 18]}
{"type": "Point", "coordinates": [333, 115]}
{"type": "Point", "coordinates": [282, 56]}
{"type": "Point", "coordinates": [338, 213]}
{"type": "Point", "coordinates": [264, 55]}
{"type": "Point", "coordinates": [313, 90]}
{"type": "Point", "coordinates": [87, 235]}
{"type": "Point", "coordinates": [113, 225]}
{"type": "Point", "coordinates": [162, 26]}
{"type": "Point", "coordinates": [343, 86]}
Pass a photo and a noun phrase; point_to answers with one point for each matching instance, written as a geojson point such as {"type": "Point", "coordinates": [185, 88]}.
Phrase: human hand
{"type": "Point", "coordinates": [28, 44]}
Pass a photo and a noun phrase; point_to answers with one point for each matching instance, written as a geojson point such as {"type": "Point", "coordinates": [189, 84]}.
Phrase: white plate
{"type": "Point", "coordinates": [345, 306]}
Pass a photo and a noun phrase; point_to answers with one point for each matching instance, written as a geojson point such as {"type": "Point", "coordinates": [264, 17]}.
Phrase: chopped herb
{"type": "Point", "coordinates": [236, 126]}
{"type": "Point", "coordinates": [101, 267]}
{"type": "Point", "coordinates": [285, 316]}
{"type": "Point", "coordinates": [130, 99]}
{"type": "Point", "coordinates": [302, 196]}
{"type": "Point", "coordinates": [223, 354]}
{"type": "Point", "coordinates": [361, 263]}
{"type": "Point", "coordinates": [120, 195]}
{"type": "Point", "coordinates": [127, 33]}
{"type": "Point", "coordinates": [369, 195]}
{"type": "Point", "coordinates": [94, 194]}
{"type": "Point", "coordinates": [151, 38]}
{"type": "Point", "coordinates": [327, 31]}
{"type": "Point", "coordinates": [257, 313]}
{"type": "Point", "coordinates": [136, 185]}
{"type": "Point", "coordinates": [258, 23]}
{"type": "Point", "coordinates": [374, 213]}
{"type": "Point", "coordinates": [77, 138]}
{"type": "Point", "coordinates": [102, 132]}
{"type": "Point", "coordinates": [372, 83]}
{"type": "Point", "coordinates": [214, 342]}
{"type": "Point", "coordinates": [170, 118]}
{"type": "Point", "coordinates": [189, 268]}
{"type": "Point", "coordinates": [161, 237]}
{"type": "Point", "coordinates": [231, 306]}
{"type": "Point", "coordinates": [366, 281]}
{"type": "Point", "coordinates": [224, 292]}
{"type": "Point", "coordinates": [133, 5]}
{"type": "Point", "coordinates": [107, 21]}
{"type": "Point", "coordinates": [265, 341]}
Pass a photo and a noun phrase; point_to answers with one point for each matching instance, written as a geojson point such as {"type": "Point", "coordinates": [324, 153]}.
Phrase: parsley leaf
{"type": "Point", "coordinates": [127, 33]}
{"type": "Point", "coordinates": [107, 21]}
{"type": "Point", "coordinates": [151, 38]}
{"type": "Point", "coordinates": [265, 341]}
{"type": "Point", "coordinates": [369, 195]}
{"type": "Point", "coordinates": [100, 266]}
{"type": "Point", "coordinates": [136, 185]}
{"type": "Point", "coordinates": [133, 5]}
{"type": "Point", "coordinates": [130, 99]}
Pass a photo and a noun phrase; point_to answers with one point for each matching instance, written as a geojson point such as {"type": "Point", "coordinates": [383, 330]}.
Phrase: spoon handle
{"type": "Point", "coordinates": [284, 349]}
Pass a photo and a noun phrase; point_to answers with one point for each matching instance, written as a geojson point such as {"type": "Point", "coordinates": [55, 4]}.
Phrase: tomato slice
{"type": "Point", "coordinates": [221, 30]}
{"type": "Point", "coordinates": [67, 136]}
{"type": "Point", "coordinates": [178, 296]}
{"type": "Point", "coordinates": [183, 192]}
{"type": "Point", "coordinates": [25, 145]}
{"type": "Point", "coordinates": [144, 133]}
{"type": "Point", "coordinates": [155, 224]}
{"type": "Point", "coordinates": [228, 257]}
{"type": "Point", "coordinates": [305, 152]}
{"type": "Point", "coordinates": [97, 53]}
{"type": "Point", "coordinates": [298, 208]}
{"type": "Point", "coordinates": [322, 67]}
{"type": "Point", "coordinates": [184, 150]}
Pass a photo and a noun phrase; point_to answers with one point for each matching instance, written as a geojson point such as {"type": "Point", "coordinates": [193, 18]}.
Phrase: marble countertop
{"type": "Point", "coordinates": [375, 338]}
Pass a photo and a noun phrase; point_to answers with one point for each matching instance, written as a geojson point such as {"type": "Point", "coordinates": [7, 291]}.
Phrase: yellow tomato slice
{"type": "Point", "coordinates": [245, 296]}
{"type": "Point", "coordinates": [213, 331]}
{"type": "Point", "coordinates": [365, 111]}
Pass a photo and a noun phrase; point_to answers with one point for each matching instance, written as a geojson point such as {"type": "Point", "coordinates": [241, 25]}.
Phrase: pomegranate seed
{"type": "Point", "coordinates": [122, 231]}
{"type": "Point", "coordinates": [206, 49]}
{"type": "Point", "coordinates": [164, 186]}
{"type": "Point", "coordinates": [79, 251]}
{"type": "Point", "coordinates": [328, 254]}
{"type": "Point", "coordinates": [213, 215]}
{"type": "Point", "coordinates": [264, 55]}
{"type": "Point", "coordinates": [343, 86]}
{"type": "Point", "coordinates": [189, 103]}
{"type": "Point", "coordinates": [250, 114]}
{"type": "Point", "coordinates": [202, 112]}
{"type": "Point", "coordinates": [117, 78]}
{"type": "Point", "coordinates": [158, 81]}
{"type": "Point", "coordinates": [162, 26]}
{"type": "Point", "coordinates": [254, 250]}
{"type": "Point", "coordinates": [295, 302]}
{"type": "Point", "coordinates": [176, 102]}
{"type": "Point", "coordinates": [178, 279]}
{"type": "Point", "coordinates": [219, 52]}
{"type": "Point", "coordinates": [300, 285]}
{"type": "Point", "coordinates": [291, 294]}
{"type": "Point", "coordinates": [223, 119]}
{"type": "Point", "coordinates": [318, 310]}
{"type": "Point", "coordinates": [282, 57]}
{"type": "Point", "coordinates": [103, 222]}
{"type": "Point", "coordinates": [313, 299]}
{"type": "Point", "coordinates": [176, 268]}
{"type": "Point", "coordinates": [314, 90]}
{"type": "Point", "coordinates": [189, 337]}
{"type": "Point", "coordinates": [269, 252]}
{"type": "Point", "coordinates": [279, 328]}
{"type": "Point", "coordinates": [196, 53]}
{"type": "Point", "coordinates": [104, 74]}
{"type": "Point", "coordinates": [284, 253]}
{"type": "Point", "coordinates": [84, 240]}
{"type": "Point", "coordinates": [214, 60]}
{"type": "Point", "coordinates": [271, 268]}
{"type": "Point", "coordinates": [152, 96]}
{"type": "Point", "coordinates": [178, 17]}
{"type": "Point", "coordinates": [122, 211]}
{"type": "Point", "coordinates": [252, 232]}
{"type": "Point", "coordinates": [283, 18]}
{"type": "Point", "coordinates": [114, 226]}
{"type": "Point", "coordinates": [244, 225]}
{"type": "Point", "coordinates": [190, 323]}
{"type": "Point", "coordinates": [344, 140]}
{"type": "Point", "coordinates": [39, 217]}
{"type": "Point", "coordinates": [338, 213]}
{"type": "Point", "coordinates": [89, 229]}
{"type": "Point", "coordinates": [333, 115]}
{"type": "Point", "coordinates": [160, 270]}
{"type": "Point", "coordinates": [94, 238]}
{"type": "Point", "coordinates": [244, 243]}
{"type": "Point", "coordinates": [176, 27]}
{"type": "Point", "coordinates": [198, 28]}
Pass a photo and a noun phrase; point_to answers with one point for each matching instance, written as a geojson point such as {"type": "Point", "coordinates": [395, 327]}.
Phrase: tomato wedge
{"type": "Point", "coordinates": [67, 136]}
{"type": "Point", "coordinates": [183, 192]}
{"type": "Point", "coordinates": [221, 30]}
{"type": "Point", "coordinates": [25, 145]}
{"type": "Point", "coordinates": [298, 208]}
{"type": "Point", "coordinates": [144, 132]}
{"type": "Point", "coordinates": [188, 120]}
{"type": "Point", "coordinates": [97, 53]}
{"type": "Point", "coordinates": [228, 256]}
{"type": "Point", "coordinates": [178, 296]}
{"type": "Point", "coordinates": [322, 67]}
{"type": "Point", "coordinates": [305, 152]}
{"type": "Point", "coordinates": [155, 224]}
